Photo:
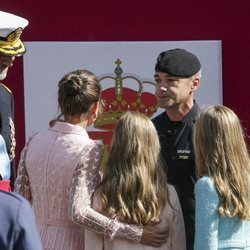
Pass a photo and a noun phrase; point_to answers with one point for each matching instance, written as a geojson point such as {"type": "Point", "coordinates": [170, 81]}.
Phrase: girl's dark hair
{"type": "Point", "coordinates": [78, 90]}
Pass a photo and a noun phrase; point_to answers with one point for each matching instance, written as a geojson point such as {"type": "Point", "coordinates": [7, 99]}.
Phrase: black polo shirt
{"type": "Point", "coordinates": [177, 151]}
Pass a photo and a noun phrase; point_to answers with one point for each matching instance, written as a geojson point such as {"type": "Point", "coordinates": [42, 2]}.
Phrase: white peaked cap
{"type": "Point", "coordinates": [11, 27]}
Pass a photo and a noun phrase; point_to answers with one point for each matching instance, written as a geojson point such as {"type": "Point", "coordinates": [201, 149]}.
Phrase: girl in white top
{"type": "Point", "coordinates": [134, 189]}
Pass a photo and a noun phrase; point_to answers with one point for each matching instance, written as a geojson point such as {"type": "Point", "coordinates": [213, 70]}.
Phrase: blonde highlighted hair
{"type": "Point", "coordinates": [134, 186]}
{"type": "Point", "coordinates": [221, 153]}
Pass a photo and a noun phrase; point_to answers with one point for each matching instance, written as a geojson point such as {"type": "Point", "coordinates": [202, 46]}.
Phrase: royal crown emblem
{"type": "Point", "coordinates": [128, 94]}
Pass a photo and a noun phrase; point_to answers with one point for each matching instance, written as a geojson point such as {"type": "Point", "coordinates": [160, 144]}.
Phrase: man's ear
{"type": "Point", "coordinates": [195, 84]}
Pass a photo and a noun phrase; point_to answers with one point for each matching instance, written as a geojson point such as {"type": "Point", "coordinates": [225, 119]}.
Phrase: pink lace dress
{"type": "Point", "coordinates": [57, 173]}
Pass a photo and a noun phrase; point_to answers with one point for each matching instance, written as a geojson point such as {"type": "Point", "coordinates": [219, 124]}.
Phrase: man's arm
{"type": "Point", "coordinates": [27, 236]}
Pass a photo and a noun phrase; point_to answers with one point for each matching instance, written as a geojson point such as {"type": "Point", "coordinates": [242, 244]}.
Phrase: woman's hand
{"type": "Point", "coordinates": [154, 236]}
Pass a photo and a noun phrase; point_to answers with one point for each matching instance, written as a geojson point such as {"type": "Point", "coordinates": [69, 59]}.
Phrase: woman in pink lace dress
{"type": "Point", "coordinates": [59, 169]}
{"type": "Point", "coordinates": [134, 188]}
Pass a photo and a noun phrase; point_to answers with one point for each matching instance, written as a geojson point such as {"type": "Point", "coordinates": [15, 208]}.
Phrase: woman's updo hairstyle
{"type": "Point", "coordinates": [78, 91]}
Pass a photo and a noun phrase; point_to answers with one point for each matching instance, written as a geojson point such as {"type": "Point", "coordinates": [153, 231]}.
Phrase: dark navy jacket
{"type": "Point", "coordinates": [18, 229]}
{"type": "Point", "coordinates": [7, 129]}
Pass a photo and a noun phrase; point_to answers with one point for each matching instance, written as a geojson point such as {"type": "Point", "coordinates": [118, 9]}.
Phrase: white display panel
{"type": "Point", "coordinates": [45, 63]}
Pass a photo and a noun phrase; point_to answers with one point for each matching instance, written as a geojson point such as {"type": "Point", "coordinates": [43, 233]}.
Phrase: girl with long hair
{"type": "Point", "coordinates": [134, 189]}
{"type": "Point", "coordinates": [223, 191]}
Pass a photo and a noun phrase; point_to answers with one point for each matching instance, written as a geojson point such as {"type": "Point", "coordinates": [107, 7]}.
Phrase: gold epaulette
{"type": "Point", "coordinates": [6, 88]}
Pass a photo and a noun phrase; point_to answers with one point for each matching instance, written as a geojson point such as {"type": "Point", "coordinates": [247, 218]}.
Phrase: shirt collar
{"type": "Point", "coordinates": [68, 128]}
{"type": "Point", "coordinates": [191, 115]}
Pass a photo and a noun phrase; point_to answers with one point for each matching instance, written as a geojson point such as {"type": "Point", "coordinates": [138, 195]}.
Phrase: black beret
{"type": "Point", "coordinates": [178, 62]}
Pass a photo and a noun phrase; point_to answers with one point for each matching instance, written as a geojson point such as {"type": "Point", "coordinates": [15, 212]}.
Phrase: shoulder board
{"type": "Point", "coordinates": [6, 87]}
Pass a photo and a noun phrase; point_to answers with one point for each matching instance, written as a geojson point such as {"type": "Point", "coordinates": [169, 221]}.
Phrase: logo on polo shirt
{"type": "Point", "coordinates": [183, 154]}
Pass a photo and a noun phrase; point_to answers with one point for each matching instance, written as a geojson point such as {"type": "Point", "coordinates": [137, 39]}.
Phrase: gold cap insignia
{"type": "Point", "coordinates": [15, 35]}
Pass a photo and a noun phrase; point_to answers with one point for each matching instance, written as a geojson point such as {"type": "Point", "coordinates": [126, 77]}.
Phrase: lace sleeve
{"type": "Point", "coordinates": [83, 185]}
{"type": "Point", "coordinates": [22, 184]}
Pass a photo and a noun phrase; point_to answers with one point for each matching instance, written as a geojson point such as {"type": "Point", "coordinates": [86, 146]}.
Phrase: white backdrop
{"type": "Point", "coordinates": [45, 63]}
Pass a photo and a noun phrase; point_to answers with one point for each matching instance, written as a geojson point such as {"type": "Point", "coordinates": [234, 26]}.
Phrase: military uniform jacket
{"type": "Point", "coordinates": [177, 151]}
{"type": "Point", "coordinates": [7, 129]}
{"type": "Point", "coordinates": [18, 230]}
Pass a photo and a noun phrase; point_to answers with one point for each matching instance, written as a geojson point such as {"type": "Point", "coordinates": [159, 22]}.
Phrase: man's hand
{"type": "Point", "coordinates": [154, 236]}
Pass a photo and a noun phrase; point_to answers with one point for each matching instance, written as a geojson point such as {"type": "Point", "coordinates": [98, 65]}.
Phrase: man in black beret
{"type": "Point", "coordinates": [11, 27]}
{"type": "Point", "coordinates": [177, 77]}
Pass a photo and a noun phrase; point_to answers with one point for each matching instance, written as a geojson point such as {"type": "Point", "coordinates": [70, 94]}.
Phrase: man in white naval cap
{"type": "Point", "coordinates": [11, 28]}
